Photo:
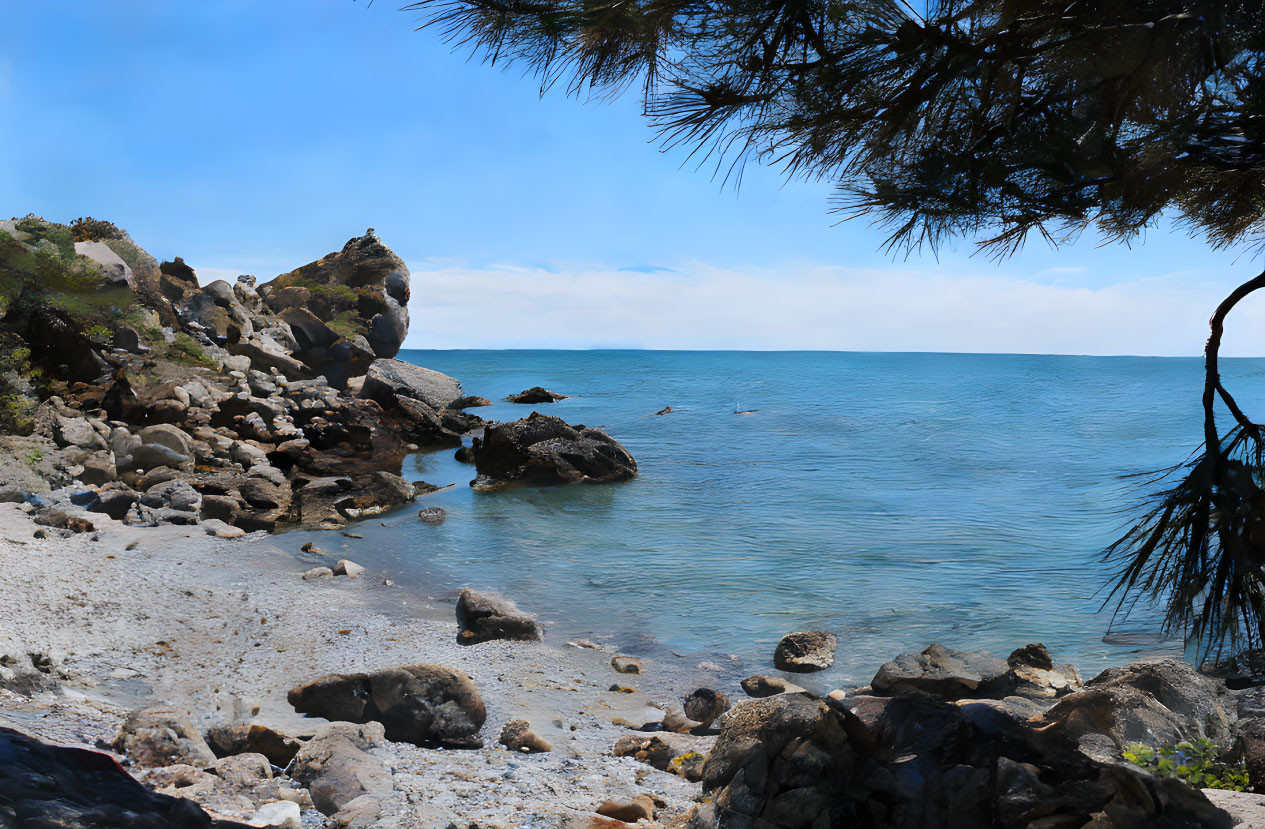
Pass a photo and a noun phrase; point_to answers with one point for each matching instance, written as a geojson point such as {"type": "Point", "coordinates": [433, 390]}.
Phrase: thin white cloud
{"type": "Point", "coordinates": [830, 308]}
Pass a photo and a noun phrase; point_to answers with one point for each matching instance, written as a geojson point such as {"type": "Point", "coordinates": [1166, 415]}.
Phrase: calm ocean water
{"type": "Point", "coordinates": [895, 499]}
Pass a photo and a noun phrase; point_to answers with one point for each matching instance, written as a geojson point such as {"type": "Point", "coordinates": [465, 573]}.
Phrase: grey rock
{"type": "Point", "coordinates": [337, 769]}
{"type": "Point", "coordinates": [388, 378]}
{"type": "Point", "coordinates": [483, 617]}
{"type": "Point", "coordinates": [169, 436]}
{"type": "Point", "coordinates": [945, 673]}
{"type": "Point", "coordinates": [805, 651]}
{"type": "Point", "coordinates": [112, 266]}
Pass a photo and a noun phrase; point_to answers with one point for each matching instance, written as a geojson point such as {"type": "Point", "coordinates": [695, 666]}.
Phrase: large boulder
{"type": "Point", "coordinates": [113, 268]}
{"type": "Point", "coordinates": [482, 617]}
{"type": "Point", "coordinates": [387, 379]}
{"type": "Point", "coordinates": [364, 285]}
{"type": "Point", "coordinates": [541, 449]}
{"type": "Point", "coordinates": [51, 786]}
{"type": "Point", "coordinates": [782, 761]}
{"type": "Point", "coordinates": [952, 674]}
{"type": "Point", "coordinates": [1162, 702]}
{"type": "Point", "coordinates": [427, 705]}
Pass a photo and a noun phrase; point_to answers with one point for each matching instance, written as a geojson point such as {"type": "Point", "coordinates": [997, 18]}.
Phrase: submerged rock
{"type": "Point", "coordinates": [542, 449]}
{"type": "Point", "coordinates": [536, 394]}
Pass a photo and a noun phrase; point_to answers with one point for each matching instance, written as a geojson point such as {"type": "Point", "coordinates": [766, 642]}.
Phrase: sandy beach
{"type": "Point", "coordinates": [221, 628]}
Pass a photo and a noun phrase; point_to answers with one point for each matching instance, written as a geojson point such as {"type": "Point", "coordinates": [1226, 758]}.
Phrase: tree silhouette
{"type": "Point", "coordinates": [986, 119]}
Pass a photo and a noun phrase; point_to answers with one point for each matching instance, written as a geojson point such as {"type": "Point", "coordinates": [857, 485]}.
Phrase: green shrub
{"type": "Point", "coordinates": [1196, 763]}
{"type": "Point", "coordinates": [185, 349]}
{"type": "Point", "coordinates": [94, 230]}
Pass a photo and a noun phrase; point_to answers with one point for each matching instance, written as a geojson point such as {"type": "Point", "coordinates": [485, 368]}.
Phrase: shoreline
{"type": "Point", "coordinates": [176, 621]}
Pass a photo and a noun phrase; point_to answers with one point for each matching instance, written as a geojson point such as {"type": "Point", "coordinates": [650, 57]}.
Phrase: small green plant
{"type": "Point", "coordinates": [1196, 763]}
{"type": "Point", "coordinates": [34, 458]}
{"type": "Point", "coordinates": [187, 350]}
{"type": "Point", "coordinates": [99, 332]}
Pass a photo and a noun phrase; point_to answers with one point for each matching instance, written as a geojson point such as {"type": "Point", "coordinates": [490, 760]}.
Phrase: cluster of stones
{"type": "Point", "coordinates": [296, 424]}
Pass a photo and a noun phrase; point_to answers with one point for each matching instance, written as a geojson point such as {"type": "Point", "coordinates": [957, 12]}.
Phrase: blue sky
{"type": "Point", "coordinates": [251, 137]}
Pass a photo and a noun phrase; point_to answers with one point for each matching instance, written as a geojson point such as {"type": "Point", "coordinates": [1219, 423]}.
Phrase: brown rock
{"type": "Point", "coordinates": [421, 704]}
{"type": "Point", "coordinates": [162, 737]}
{"type": "Point", "coordinates": [805, 651]}
{"type": "Point", "coordinates": [518, 736]}
{"type": "Point", "coordinates": [483, 617]}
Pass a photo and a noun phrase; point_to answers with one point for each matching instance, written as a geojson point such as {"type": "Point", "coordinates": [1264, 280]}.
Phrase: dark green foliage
{"type": "Point", "coordinates": [1200, 544]}
{"type": "Point", "coordinates": [1196, 763]}
{"type": "Point", "coordinates": [94, 230]}
{"type": "Point", "coordinates": [17, 384]}
{"type": "Point", "coordinates": [989, 118]}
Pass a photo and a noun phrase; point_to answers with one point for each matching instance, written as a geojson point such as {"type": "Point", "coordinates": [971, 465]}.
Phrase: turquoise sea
{"type": "Point", "coordinates": [895, 499]}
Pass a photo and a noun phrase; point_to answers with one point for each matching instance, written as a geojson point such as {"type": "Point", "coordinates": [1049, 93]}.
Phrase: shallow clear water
{"type": "Point", "coordinates": [895, 499]}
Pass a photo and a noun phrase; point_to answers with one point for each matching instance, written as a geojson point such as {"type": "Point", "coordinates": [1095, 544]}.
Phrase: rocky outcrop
{"type": "Point", "coordinates": [427, 705]}
{"type": "Point", "coordinates": [1157, 703]}
{"type": "Point", "coordinates": [541, 449]}
{"type": "Point", "coordinates": [364, 285]}
{"type": "Point", "coordinates": [50, 786]}
{"type": "Point", "coordinates": [483, 617]}
{"type": "Point", "coordinates": [792, 760]}
{"type": "Point", "coordinates": [235, 389]}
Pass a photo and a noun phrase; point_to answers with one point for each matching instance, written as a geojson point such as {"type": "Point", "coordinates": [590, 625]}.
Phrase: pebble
{"type": "Point", "coordinates": [318, 573]}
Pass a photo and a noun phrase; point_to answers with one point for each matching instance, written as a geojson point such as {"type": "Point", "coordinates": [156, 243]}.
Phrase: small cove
{"type": "Point", "coordinates": [894, 499]}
